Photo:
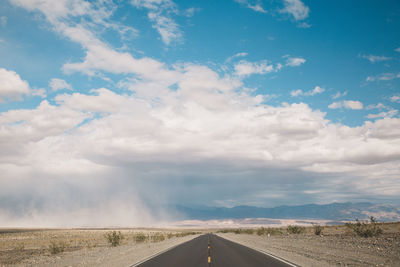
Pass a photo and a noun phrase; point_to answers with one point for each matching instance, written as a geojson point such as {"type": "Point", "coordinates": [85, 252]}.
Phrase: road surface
{"type": "Point", "coordinates": [212, 251]}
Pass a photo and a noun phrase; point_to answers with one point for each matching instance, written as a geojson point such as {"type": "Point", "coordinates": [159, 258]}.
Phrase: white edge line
{"type": "Point", "coordinates": [266, 253]}
{"type": "Point", "coordinates": [158, 253]}
{"type": "Point", "coordinates": [276, 257]}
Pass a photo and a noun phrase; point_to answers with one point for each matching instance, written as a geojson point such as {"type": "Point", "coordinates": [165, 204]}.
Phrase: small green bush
{"type": "Point", "coordinates": [170, 235]}
{"type": "Point", "coordinates": [56, 248]}
{"type": "Point", "coordinates": [114, 238]}
{"type": "Point", "coordinates": [294, 229]}
{"type": "Point", "coordinates": [365, 229]}
{"type": "Point", "coordinates": [317, 229]}
{"type": "Point", "coordinates": [182, 234]}
{"type": "Point", "coordinates": [248, 231]}
{"type": "Point", "coordinates": [268, 231]}
{"type": "Point", "coordinates": [139, 237]}
{"type": "Point", "coordinates": [261, 231]}
{"type": "Point", "coordinates": [158, 237]}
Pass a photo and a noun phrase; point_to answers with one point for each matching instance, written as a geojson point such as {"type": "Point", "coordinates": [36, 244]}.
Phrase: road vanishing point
{"type": "Point", "coordinates": [210, 250]}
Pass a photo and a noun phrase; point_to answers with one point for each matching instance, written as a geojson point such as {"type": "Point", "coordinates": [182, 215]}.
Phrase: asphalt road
{"type": "Point", "coordinates": [222, 253]}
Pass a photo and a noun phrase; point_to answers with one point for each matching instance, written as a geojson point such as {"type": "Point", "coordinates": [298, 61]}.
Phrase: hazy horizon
{"type": "Point", "coordinates": [112, 110]}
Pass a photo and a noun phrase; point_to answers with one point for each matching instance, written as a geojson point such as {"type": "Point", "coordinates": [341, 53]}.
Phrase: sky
{"type": "Point", "coordinates": [112, 112]}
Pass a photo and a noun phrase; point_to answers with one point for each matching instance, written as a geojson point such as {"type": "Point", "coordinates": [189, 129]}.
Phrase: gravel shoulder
{"type": "Point", "coordinates": [332, 250]}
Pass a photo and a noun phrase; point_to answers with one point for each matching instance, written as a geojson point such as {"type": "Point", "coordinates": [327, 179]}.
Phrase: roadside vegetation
{"type": "Point", "coordinates": [294, 229]}
{"type": "Point", "coordinates": [366, 229]}
{"type": "Point", "coordinates": [259, 231]}
{"type": "Point", "coordinates": [57, 247]}
{"type": "Point", "coordinates": [370, 228]}
{"type": "Point", "coordinates": [318, 229]}
{"type": "Point", "coordinates": [114, 238]}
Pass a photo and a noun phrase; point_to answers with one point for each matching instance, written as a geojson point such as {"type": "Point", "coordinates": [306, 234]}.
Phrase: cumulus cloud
{"type": "Point", "coordinates": [59, 84]}
{"type": "Point", "coordinates": [295, 8]}
{"type": "Point", "coordinates": [254, 5]}
{"type": "Point", "coordinates": [295, 61]}
{"type": "Point", "coordinates": [12, 87]}
{"type": "Point", "coordinates": [246, 68]}
{"type": "Point", "coordinates": [397, 49]}
{"type": "Point", "coordinates": [142, 143]}
{"type": "Point", "coordinates": [347, 104]}
{"type": "Point", "coordinates": [315, 91]}
{"type": "Point", "coordinates": [374, 59]}
{"type": "Point", "coordinates": [206, 131]}
{"type": "Point", "coordinates": [103, 158]}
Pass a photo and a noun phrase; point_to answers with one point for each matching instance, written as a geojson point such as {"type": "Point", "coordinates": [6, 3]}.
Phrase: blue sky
{"type": "Point", "coordinates": [280, 101]}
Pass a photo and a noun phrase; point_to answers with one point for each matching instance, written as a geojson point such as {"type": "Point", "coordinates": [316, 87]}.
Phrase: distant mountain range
{"type": "Point", "coordinates": [334, 211]}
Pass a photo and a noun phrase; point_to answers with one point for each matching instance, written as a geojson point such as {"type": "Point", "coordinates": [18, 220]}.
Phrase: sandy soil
{"type": "Point", "coordinates": [81, 247]}
{"type": "Point", "coordinates": [337, 247]}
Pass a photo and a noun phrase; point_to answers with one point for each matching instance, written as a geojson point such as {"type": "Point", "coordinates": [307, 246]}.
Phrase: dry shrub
{"type": "Point", "coordinates": [294, 229]}
{"type": "Point", "coordinates": [114, 238]}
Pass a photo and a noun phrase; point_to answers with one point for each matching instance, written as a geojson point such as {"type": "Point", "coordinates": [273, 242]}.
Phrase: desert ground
{"type": "Point", "coordinates": [332, 246]}
{"type": "Point", "coordinates": [84, 247]}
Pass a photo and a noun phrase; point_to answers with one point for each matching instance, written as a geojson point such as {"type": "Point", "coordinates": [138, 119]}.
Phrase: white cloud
{"type": "Point", "coordinates": [39, 92]}
{"type": "Point", "coordinates": [191, 11]}
{"type": "Point", "coordinates": [12, 87]}
{"type": "Point", "coordinates": [295, 61]}
{"type": "Point", "coordinates": [397, 49]}
{"type": "Point", "coordinates": [3, 21]}
{"type": "Point", "coordinates": [374, 59]}
{"type": "Point", "coordinates": [315, 91]}
{"type": "Point", "coordinates": [237, 55]}
{"type": "Point", "coordinates": [377, 106]}
{"type": "Point", "coordinates": [395, 98]}
{"type": "Point", "coordinates": [100, 149]}
{"type": "Point", "coordinates": [339, 94]}
{"type": "Point", "coordinates": [296, 8]}
{"type": "Point", "coordinates": [388, 114]}
{"type": "Point", "coordinates": [59, 84]}
{"type": "Point", "coordinates": [304, 25]}
{"type": "Point", "coordinates": [254, 5]}
{"type": "Point", "coordinates": [93, 15]}
{"type": "Point", "coordinates": [159, 14]}
{"type": "Point", "coordinates": [383, 77]}
{"type": "Point", "coordinates": [297, 92]}
{"type": "Point", "coordinates": [347, 104]}
{"type": "Point", "coordinates": [206, 129]}
{"type": "Point", "coordinates": [246, 68]}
